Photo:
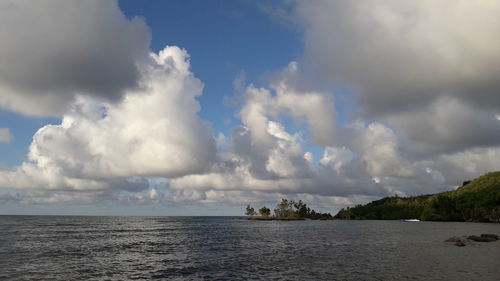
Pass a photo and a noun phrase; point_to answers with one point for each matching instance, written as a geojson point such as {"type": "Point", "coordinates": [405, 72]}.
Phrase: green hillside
{"type": "Point", "coordinates": [478, 200]}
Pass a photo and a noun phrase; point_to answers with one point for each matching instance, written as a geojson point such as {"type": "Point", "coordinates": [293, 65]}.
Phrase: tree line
{"type": "Point", "coordinates": [288, 209]}
{"type": "Point", "coordinates": [477, 200]}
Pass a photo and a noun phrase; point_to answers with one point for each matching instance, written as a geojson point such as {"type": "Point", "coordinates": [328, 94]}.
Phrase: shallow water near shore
{"type": "Point", "coordinates": [231, 248]}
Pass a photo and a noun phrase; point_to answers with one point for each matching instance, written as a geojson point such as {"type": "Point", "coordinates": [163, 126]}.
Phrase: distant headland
{"type": "Point", "coordinates": [477, 200]}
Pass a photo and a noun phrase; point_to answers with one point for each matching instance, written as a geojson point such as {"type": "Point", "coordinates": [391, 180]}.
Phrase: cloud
{"type": "Point", "coordinates": [423, 115]}
{"type": "Point", "coordinates": [6, 197]}
{"type": "Point", "coordinates": [103, 148]}
{"type": "Point", "coordinates": [428, 68]}
{"type": "Point", "coordinates": [153, 132]}
{"type": "Point", "coordinates": [400, 55]}
{"type": "Point", "coordinates": [291, 97]}
{"type": "Point", "coordinates": [262, 155]}
{"type": "Point", "coordinates": [49, 56]}
{"type": "Point", "coordinates": [422, 77]}
{"type": "Point", "coordinates": [465, 165]}
{"type": "Point", "coordinates": [259, 198]}
{"type": "Point", "coordinates": [110, 151]}
{"type": "Point", "coordinates": [360, 158]}
{"type": "Point", "coordinates": [5, 135]}
{"type": "Point", "coordinates": [449, 125]}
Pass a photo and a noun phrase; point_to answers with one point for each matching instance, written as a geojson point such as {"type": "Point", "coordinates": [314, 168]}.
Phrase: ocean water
{"type": "Point", "coordinates": [231, 248]}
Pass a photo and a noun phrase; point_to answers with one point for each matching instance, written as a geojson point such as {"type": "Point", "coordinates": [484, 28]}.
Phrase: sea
{"type": "Point", "coordinates": [233, 248]}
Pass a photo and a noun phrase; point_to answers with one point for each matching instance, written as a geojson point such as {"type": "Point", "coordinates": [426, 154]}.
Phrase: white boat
{"type": "Point", "coordinates": [410, 220]}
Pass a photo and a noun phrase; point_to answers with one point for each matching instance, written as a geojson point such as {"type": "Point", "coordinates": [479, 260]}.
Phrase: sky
{"type": "Point", "coordinates": [202, 107]}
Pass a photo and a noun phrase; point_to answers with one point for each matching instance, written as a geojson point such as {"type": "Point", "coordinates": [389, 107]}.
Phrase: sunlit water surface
{"type": "Point", "coordinates": [225, 248]}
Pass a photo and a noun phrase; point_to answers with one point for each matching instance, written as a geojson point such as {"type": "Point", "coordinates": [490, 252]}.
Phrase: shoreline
{"type": "Point", "coordinates": [273, 219]}
{"type": "Point", "coordinates": [283, 219]}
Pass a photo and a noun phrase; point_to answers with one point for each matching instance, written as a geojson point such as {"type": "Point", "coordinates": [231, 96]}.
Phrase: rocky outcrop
{"type": "Point", "coordinates": [481, 238]}
{"type": "Point", "coordinates": [452, 239]}
{"type": "Point", "coordinates": [484, 238]}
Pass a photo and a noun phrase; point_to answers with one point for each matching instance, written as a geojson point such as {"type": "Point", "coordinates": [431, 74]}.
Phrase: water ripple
{"type": "Point", "coordinates": [223, 248]}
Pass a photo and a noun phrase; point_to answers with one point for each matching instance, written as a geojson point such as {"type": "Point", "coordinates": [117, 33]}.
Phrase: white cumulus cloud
{"type": "Point", "coordinates": [153, 131]}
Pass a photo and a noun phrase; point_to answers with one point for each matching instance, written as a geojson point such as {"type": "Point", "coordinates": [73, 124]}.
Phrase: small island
{"type": "Point", "coordinates": [475, 201]}
{"type": "Point", "coordinates": [287, 210]}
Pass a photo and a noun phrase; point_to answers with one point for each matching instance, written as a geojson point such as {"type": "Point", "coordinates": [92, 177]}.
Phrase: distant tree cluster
{"type": "Point", "coordinates": [264, 211]}
{"type": "Point", "coordinates": [250, 211]}
{"type": "Point", "coordinates": [289, 209]}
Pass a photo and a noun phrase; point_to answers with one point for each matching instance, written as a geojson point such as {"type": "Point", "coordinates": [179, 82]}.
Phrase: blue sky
{"type": "Point", "coordinates": [201, 107]}
{"type": "Point", "coordinates": [224, 39]}
{"type": "Point", "coordinates": [23, 128]}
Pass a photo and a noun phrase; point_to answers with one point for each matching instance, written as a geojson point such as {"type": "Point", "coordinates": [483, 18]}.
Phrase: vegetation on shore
{"type": "Point", "coordinates": [477, 200]}
{"type": "Point", "coordinates": [287, 210]}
